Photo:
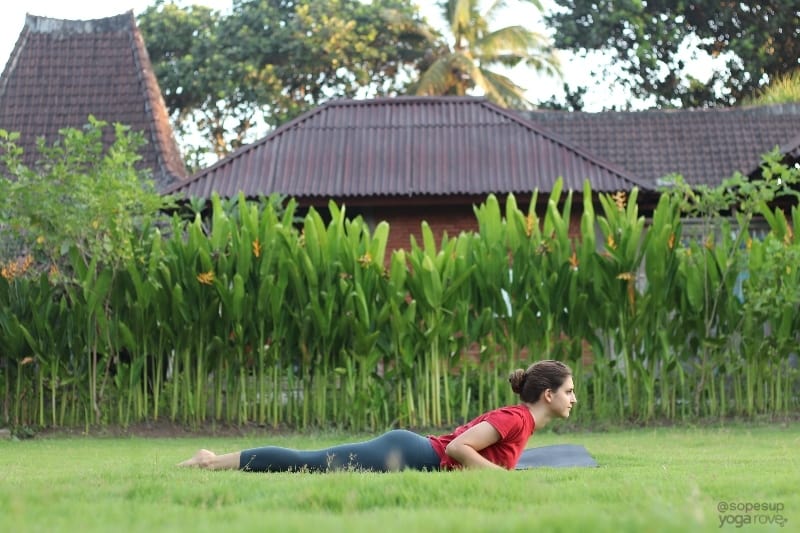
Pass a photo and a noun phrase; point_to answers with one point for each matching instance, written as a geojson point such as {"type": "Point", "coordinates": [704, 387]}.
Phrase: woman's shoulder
{"type": "Point", "coordinates": [516, 410]}
{"type": "Point", "coordinates": [510, 417]}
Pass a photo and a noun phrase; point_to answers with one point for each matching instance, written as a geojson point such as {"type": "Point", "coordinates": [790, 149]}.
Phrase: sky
{"type": "Point", "coordinates": [539, 87]}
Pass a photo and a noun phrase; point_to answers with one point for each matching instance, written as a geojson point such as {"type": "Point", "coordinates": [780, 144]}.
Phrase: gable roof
{"type": "Point", "coordinates": [706, 146]}
{"type": "Point", "coordinates": [792, 148]}
{"type": "Point", "coordinates": [61, 71]}
{"type": "Point", "coordinates": [406, 146]}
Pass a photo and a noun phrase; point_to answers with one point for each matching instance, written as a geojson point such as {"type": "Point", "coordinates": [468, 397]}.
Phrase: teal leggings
{"type": "Point", "coordinates": [397, 449]}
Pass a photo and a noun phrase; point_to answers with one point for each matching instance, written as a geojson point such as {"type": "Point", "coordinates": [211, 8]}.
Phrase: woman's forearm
{"type": "Point", "coordinates": [468, 457]}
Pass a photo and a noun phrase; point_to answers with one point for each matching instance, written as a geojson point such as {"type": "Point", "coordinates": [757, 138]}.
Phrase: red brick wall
{"type": "Point", "coordinates": [406, 221]}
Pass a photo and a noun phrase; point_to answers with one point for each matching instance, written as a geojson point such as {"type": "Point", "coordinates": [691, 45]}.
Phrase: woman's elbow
{"type": "Point", "coordinates": [453, 450]}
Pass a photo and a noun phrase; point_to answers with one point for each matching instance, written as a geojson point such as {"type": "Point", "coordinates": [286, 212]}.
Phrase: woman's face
{"type": "Point", "coordinates": [563, 398]}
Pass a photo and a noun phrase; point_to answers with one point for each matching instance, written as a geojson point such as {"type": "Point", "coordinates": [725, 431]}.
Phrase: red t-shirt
{"type": "Point", "coordinates": [515, 425]}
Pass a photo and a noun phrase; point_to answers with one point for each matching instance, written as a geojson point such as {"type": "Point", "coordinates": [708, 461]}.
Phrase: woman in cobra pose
{"type": "Point", "coordinates": [494, 439]}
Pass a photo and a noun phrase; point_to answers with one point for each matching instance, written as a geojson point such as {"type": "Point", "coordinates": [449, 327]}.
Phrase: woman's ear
{"type": "Point", "coordinates": [548, 395]}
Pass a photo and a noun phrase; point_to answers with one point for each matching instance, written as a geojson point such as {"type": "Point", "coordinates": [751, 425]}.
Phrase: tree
{"type": "Point", "coordinates": [467, 58]}
{"type": "Point", "coordinates": [81, 196]}
{"type": "Point", "coordinates": [267, 61]}
{"type": "Point", "coordinates": [650, 41]}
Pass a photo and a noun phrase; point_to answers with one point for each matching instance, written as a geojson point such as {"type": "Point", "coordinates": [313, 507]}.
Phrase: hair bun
{"type": "Point", "coordinates": [517, 380]}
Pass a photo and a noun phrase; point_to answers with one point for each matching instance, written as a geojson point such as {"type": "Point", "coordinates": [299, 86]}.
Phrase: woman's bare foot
{"type": "Point", "coordinates": [202, 459]}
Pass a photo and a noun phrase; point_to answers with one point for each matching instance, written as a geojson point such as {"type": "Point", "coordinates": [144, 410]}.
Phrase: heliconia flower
{"type": "Point", "coordinates": [620, 198]}
{"type": "Point", "coordinates": [573, 261]}
{"type": "Point", "coordinates": [530, 220]}
{"type": "Point", "coordinates": [543, 248]}
{"type": "Point", "coordinates": [628, 276]}
{"type": "Point", "coordinates": [256, 248]}
{"type": "Point", "coordinates": [16, 267]}
{"type": "Point", "coordinates": [206, 278]}
{"type": "Point", "coordinates": [365, 260]}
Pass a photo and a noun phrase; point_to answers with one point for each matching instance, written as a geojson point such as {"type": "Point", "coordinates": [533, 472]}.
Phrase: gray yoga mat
{"type": "Point", "coordinates": [558, 455]}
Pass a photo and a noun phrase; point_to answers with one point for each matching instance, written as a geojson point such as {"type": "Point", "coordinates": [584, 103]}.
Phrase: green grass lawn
{"type": "Point", "coordinates": [664, 479]}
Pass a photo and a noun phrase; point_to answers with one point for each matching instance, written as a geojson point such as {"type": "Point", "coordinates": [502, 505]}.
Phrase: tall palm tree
{"type": "Point", "coordinates": [464, 61]}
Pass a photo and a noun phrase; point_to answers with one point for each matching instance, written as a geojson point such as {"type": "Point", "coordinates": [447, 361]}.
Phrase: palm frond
{"type": "Point", "coordinates": [516, 39]}
{"type": "Point", "coordinates": [437, 79]}
{"type": "Point", "coordinates": [547, 63]}
{"type": "Point", "coordinates": [502, 91]}
{"type": "Point", "coordinates": [460, 15]}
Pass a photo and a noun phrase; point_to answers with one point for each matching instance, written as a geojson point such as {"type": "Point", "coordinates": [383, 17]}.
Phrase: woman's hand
{"type": "Point", "coordinates": [466, 446]}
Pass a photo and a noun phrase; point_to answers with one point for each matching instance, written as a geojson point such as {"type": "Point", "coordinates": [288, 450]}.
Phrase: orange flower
{"type": "Point", "coordinates": [8, 271]}
{"type": "Point", "coordinates": [619, 198]}
{"type": "Point", "coordinates": [256, 248]}
{"type": "Point", "coordinates": [529, 222]}
{"type": "Point", "coordinates": [573, 261]}
{"type": "Point", "coordinates": [206, 278]}
{"type": "Point", "coordinates": [16, 267]}
{"type": "Point", "coordinates": [365, 260]}
{"type": "Point", "coordinates": [543, 248]}
{"type": "Point", "coordinates": [628, 276]}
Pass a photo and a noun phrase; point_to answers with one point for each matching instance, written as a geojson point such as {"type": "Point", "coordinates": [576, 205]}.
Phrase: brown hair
{"type": "Point", "coordinates": [540, 376]}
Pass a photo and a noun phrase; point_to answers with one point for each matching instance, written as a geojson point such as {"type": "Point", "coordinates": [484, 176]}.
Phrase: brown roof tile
{"type": "Point", "coordinates": [705, 146]}
{"type": "Point", "coordinates": [61, 71]}
{"type": "Point", "coordinates": [406, 146]}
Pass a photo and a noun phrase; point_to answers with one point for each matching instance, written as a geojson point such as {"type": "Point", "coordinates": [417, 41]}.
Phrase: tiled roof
{"type": "Point", "coordinates": [392, 147]}
{"type": "Point", "coordinates": [61, 71]}
{"type": "Point", "coordinates": [792, 148]}
{"type": "Point", "coordinates": [705, 146]}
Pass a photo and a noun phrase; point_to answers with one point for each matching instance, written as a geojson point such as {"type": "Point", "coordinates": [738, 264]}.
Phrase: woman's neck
{"type": "Point", "coordinates": [540, 412]}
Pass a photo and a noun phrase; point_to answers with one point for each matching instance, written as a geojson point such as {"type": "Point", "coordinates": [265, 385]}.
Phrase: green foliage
{"type": "Point", "coordinates": [256, 315]}
{"type": "Point", "coordinates": [267, 62]}
{"type": "Point", "coordinates": [782, 89]}
{"type": "Point", "coordinates": [79, 196]}
{"type": "Point", "coordinates": [69, 223]}
{"type": "Point", "coordinates": [464, 60]}
{"type": "Point", "coordinates": [646, 39]}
